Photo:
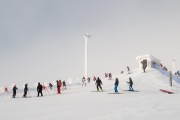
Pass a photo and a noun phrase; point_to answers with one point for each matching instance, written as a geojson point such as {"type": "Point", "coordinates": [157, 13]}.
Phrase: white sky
{"type": "Point", "coordinates": [42, 40]}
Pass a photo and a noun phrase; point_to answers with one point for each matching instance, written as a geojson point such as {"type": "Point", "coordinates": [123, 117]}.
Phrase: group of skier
{"type": "Point", "coordinates": [40, 88]}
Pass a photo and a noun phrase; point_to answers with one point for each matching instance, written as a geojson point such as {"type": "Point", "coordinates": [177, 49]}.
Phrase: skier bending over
{"type": "Point", "coordinates": [25, 90]}
{"type": "Point", "coordinates": [39, 89]}
{"type": "Point", "coordinates": [99, 83]}
{"type": "Point", "coordinates": [116, 85]}
{"type": "Point", "coordinates": [14, 91]}
{"type": "Point", "coordinates": [130, 84]}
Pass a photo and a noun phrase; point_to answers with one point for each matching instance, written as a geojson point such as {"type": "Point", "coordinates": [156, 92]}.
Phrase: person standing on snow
{"type": "Point", "coordinates": [128, 70]}
{"type": "Point", "coordinates": [14, 91]}
{"type": "Point", "coordinates": [130, 84]}
{"type": "Point", "coordinates": [83, 81]}
{"type": "Point", "coordinates": [110, 76]}
{"type": "Point", "coordinates": [39, 89]}
{"type": "Point", "coordinates": [116, 85]}
{"type": "Point", "coordinates": [64, 84]}
{"type": "Point", "coordinates": [99, 83]}
{"type": "Point", "coordinates": [58, 87]}
{"type": "Point", "coordinates": [25, 90]}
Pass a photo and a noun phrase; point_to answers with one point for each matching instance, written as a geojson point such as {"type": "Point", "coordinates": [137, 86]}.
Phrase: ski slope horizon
{"type": "Point", "coordinates": [81, 103]}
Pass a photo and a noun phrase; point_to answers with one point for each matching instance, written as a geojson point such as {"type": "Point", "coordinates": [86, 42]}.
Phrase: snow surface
{"type": "Point", "coordinates": [80, 103]}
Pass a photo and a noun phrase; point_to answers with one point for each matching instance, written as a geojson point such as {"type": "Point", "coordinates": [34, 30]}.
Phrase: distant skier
{"type": "Point", "coordinates": [39, 89]}
{"type": "Point", "coordinates": [25, 90]}
{"type": "Point", "coordinates": [58, 86]}
{"type": "Point", "coordinates": [64, 84]}
{"type": "Point", "coordinates": [94, 78]}
{"type": "Point", "coordinates": [144, 65]}
{"type": "Point", "coordinates": [110, 76]}
{"type": "Point", "coordinates": [106, 75]}
{"type": "Point", "coordinates": [83, 81]}
{"type": "Point", "coordinates": [89, 79]}
{"type": "Point", "coordinates": [98, 84]}
{"type": "Point", "coordinates": [116, 85]}
{"type": "Point", "coordinates": [128, 70]}
{"type": "Point", "coordinates": [50, 86]}
{"type": "Point", "coordinates": [14, 91]}
{"type": "Point", "coordinates": [130, 84]}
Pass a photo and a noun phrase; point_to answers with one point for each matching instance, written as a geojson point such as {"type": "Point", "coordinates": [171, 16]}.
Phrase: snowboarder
{"type": "Point", "coordinates": [83, 81]}
{"type": "Point", "coordinates": [99, 83]}
{"type": "Point", "coordinates": [25, 90]}
{"type": "Point", "coordinates": [14, 91]}
{"type": "Point", "coordinates": [116, 85]}
{"type": "Point", "coordinates": [130, 84]}
{"type": "Point", "coordinates": [39, 89]}
{"type": "Point", "coordinates": [64, 84]}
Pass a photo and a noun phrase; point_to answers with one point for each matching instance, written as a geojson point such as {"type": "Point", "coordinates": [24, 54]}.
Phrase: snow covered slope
{"type": "Point", "coordinates": [80, 103]}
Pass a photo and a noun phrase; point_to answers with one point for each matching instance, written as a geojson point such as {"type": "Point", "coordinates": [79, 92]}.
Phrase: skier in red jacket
{"type": "Point", "coordinates": [59, 86]}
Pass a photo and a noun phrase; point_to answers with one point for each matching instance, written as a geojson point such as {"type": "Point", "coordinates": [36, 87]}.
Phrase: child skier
{"type": "Point", "coordinates": [99, 83]}
{"type": "Point", "coordinates": [116, 85]}
{"type": "Point", "coordinates": [14, 91]}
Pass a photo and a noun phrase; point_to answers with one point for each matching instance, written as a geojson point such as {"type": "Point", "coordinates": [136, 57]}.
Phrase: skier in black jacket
{"type": "Point", "coordinates": [39, 89]}
{"type": "Point", "coordinates": [25, 90]}
{"type": "Point", "coordinates": [99, 83]}
{"type": "Point", "coordinates": [14, 91]}
{"type": "Point", "coordinates": [130, 84]}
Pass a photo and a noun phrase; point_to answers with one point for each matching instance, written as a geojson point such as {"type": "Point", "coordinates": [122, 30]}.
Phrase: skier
{"type": "Point", "coordinates": [83, 81]}
{"type": "Point", "coordinates": [106, 75]}
{"type": "Point", "coordinates": [58, 87]}
{"type": "Point", "coordinates": [116, 85]}
{"type": "Point", "coordinates": [39, 89]}
{"type": "Point", "coordinates": [50, 86]}
{"type": "Point", "coordinates": [99, 83]}
{"type": "Point", "coordinates": [89, 79]}
{"type": "Point", "coordinates": [94, 78]}
{"type": "Point", "coordinates": [64, 84]}
{"type": "Point", "coordinates": [144, 65]}
{"type": "Point", "coordinates": [60, 84]}
{"type": "Point", "coordinates": [128, 70]}
{"type": "Point", "coordinates": [25, 90]}
{"type": "Point", "coordinates": [110, 76]}
{"type": "Point", "coordinates": [14, 91]}
{"type": "Point", "coordinates": [130, 84]}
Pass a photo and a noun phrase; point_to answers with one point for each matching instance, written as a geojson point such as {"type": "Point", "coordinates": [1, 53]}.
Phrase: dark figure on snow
{"type": "Point", "coordinates": [25, 90]}
{"type": "Point", "coordinates": [89, 79]}
{"type": "Point", "coordinates": [128, 70]}
{"type": "Point", "coordinates": [144, 65]}
{"type": "Point", "coordinates": [116, 85]}
{"type": "Point", "coordinates": [99, 83]}
{"type": "Point", "coordinates": [14, 91]}
{"type": "Point", "coordinates": [130, 84]}
{"type": "Point", "coordinates": [106, 75]}
{"type": "Point", "coordinates": [50, 86]}
{"type": "Point", "coordinates": [64, 84]}
{"type": "Point", "coordinates": [39, 89]}
{"type": "Point", "coordinates": [110, 76]}
{"type": "Point", "coordinates": [83, 81]}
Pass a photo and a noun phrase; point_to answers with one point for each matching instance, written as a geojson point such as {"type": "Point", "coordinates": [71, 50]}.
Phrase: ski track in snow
{"type": "Point", "coordinates": [79, 103]}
